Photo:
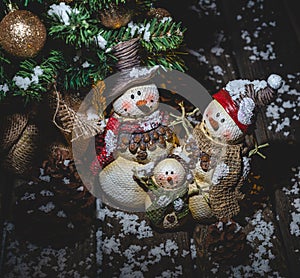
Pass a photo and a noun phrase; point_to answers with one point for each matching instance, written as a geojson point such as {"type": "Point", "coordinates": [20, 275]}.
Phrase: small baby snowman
{"type": "Point", "coordinates": [167, 187]}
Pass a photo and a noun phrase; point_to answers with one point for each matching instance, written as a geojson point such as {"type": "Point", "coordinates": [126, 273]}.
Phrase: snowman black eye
{"type": "Point", "coordinates": [132, 96]}
{"type": "Point", "coordinates": [218, 114]}
{"type": "Point", "coordinates": [172, 172]}
{"type": "Point", "coordinates": [167, 172]}
{"type": "Point", "coordinates": [125, 109]}
{"type": "Point", "coordinates": [222, 120]}
{"type": "Point", "coordinates": [139, 93]}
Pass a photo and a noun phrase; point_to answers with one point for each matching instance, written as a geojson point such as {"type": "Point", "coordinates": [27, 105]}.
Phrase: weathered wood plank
{"type": "Point", "coordinates": [288, 216]}
{"type": "Point", "coordinates": [130, 247]}
{"type": "Point", "coordinates": [25, 259]}
{"type": "Point", "coordinates": [261, 257]}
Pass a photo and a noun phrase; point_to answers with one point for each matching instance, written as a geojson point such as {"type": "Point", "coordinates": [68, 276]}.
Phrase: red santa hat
{"type": "Point", "coordinates": [239, 98]}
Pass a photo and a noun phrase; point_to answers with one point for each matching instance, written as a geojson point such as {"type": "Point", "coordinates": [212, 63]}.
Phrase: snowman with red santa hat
{"type": "Point", "coordinates": [222, 167]}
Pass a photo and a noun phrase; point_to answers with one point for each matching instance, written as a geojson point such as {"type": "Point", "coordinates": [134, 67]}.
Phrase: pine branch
{"type": "Point", "coordinates": [26, 2]}
{"type": "Point", "coordinates": [158, 35]}
{"type": "Point", "coordinates": [96, 5]}
{"type": "Point", "coordinates": [80, 29]}
{"type": "Point", "coordinates": [169, 60]}
{"type": "Point", "coordinates": [32, 80]}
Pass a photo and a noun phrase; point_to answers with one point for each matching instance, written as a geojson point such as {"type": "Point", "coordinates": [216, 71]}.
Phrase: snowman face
{"type": "Point", "coordinates": [169, 174]}
{"type": "Point", "coordinates": [218, 125]}
{"type": "Point", "coordinates": [137, 102]}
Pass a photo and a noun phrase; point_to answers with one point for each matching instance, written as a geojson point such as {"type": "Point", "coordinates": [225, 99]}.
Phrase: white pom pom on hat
{"type": "Point", "coordinates": [274, 81]}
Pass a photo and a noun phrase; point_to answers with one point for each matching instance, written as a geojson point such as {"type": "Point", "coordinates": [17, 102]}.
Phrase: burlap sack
{"type": "Point", "coordinates": [20, 157]}
{"type": "Point", "coordinates": [11, 128]}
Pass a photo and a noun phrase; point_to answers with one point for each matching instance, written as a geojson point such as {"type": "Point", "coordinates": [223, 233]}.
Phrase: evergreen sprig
{"type": "Point", "coordinates": [97, 68]}
{"type": "Point", "coordinates": [36, 85]}
{"type": "Point", "coordinates": [96, 5]}
{"type": "Point", "coordinates": [164, 35]}
{"type": "Point", "coordinates": [169, 60]}
{"type": "Point", "coordinates": [79, 32]}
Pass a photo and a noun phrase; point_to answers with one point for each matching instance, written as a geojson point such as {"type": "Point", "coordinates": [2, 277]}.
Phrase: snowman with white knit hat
{"type": "Point", "coordinates": [136, 136]}
{"type": "Point", "coordinates": [221, 167]}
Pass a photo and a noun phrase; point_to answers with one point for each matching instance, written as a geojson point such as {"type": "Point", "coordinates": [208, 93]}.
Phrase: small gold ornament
{"type": "Point", "coordinates": [115, 17]}
{"type": "Point", "coordinates": [158, 13]}
{"type": "Point", "coordinates": [22, 33]}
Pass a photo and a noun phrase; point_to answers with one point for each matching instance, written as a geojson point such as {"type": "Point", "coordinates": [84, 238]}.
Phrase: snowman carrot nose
{"type": "Point", "coordinates": [214, 124]}
{"type": "Point", "coordinates": [141, 102]}
{"type": "Point", "coordinates": [169, 179]}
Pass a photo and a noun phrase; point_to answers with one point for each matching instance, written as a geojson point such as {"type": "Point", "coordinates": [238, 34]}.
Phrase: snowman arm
{"type": "Point", "coordinates": [193, 190]}
{"type": "Point", "coordinates": [142, 182]}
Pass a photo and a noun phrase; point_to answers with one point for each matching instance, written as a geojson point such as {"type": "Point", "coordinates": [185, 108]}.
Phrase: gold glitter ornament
{"type": "Point", "coordinates": [115, 17]}
{"type": "Point", "coordinates": [22, 33]}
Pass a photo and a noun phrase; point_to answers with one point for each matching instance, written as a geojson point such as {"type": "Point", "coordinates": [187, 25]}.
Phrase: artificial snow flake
{"type": "Point", "coordinates": [47, 208]}
{"type": "Point", "coordinates": [63, 11]}
{"type": "Point", "coordinates": [221, 171]}
{"type": "Point", "coordinates": [139, 29]}
{"type": "Point", "coordinates": [62, 214]}
{"type": "Point", "coordinates": [66, 180]}
{"type": "Point", "coordinates": [166, 19]}
{"type": "Point", "coordinates": [218, 70]}
{"type": "Point", "coordinates": [22, 82]}
{"type": "Point", "coordinates": [101, 41]}
{"type": "Point", "coordinates": [66, 162]}
{"type": "Point", "coordinates": [28, 196]}
{"type": "Point", "coordinates": [4, 88]}
{"type": "Point", "coordinates": [25, 82]}
{"type": "Point", "coordinates": [110, 142]}
{"type": "Point", "coordinates": [46, 193]}
{"type": "Point", "coordinates": [245, 112]}
{"type": "Point", "coordinates": [86, 64]}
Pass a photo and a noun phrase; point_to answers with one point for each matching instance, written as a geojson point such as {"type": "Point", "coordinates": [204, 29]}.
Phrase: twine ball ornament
{"type": "Point", "coordinates": [22, 33]}
{"type": "Point", "coordinates": [115, 17]}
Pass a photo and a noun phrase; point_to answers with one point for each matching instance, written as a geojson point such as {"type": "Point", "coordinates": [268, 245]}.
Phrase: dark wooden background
{"type": "Point", "coordinates": [225, 40]}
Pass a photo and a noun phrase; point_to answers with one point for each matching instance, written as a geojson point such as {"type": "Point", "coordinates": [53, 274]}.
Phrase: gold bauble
{"type": "Point", "coordinates": [115, 17]}
{"type": "Point", "coordinates": [22, 34]}
{"type": "Point", "coordinates": [158, 13]}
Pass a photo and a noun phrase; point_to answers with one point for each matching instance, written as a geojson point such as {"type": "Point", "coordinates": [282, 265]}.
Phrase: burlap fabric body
{"type": "Point", "coordinates": [11, 127]}
{"type": "Point", "coordinates": [21, 155]}
{"type": "Point", "coordinates": [18, 138]}
{"type": "Point", "coordinates": [224, 196]}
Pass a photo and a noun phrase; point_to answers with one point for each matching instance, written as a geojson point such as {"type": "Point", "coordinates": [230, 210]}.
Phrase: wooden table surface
{"type": "Point", "coordinates": [226, 40]}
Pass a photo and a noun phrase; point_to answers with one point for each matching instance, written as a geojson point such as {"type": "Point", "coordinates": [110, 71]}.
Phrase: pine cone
{"type": "Point", "coordinates": [54, 208]}
{"type": "Point", "coordinates": [224, 243]}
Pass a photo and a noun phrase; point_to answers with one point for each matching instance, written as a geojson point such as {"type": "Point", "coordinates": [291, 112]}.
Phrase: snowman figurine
{"type": "Point", "coordinates": [222, 168]}
{"type": "Point", "coordinates": [167, 188]}
{"type": "Point", "coordinates": [136, 135]}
